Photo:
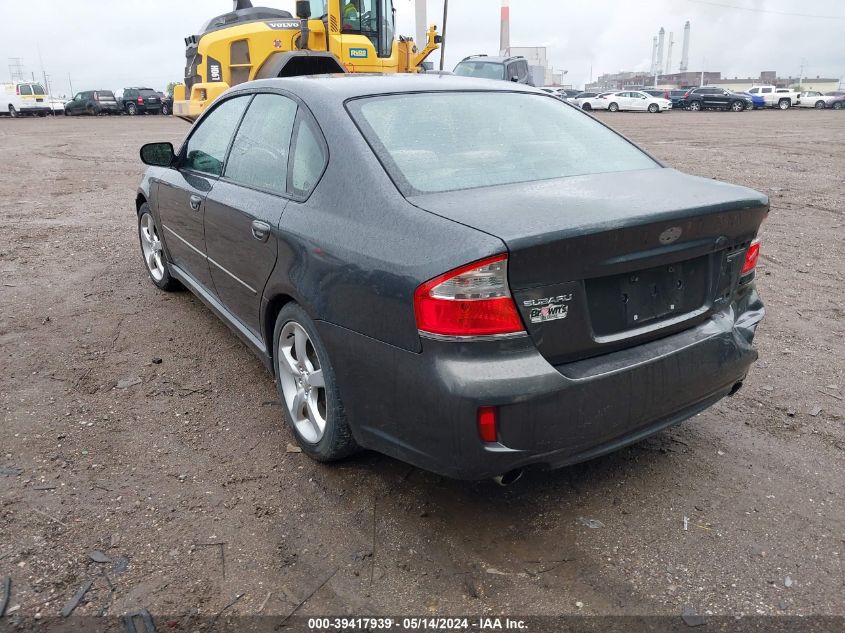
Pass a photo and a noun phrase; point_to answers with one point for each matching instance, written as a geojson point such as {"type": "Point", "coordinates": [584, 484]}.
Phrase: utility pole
{"type": "Point", "coordinates": [71, 85]}
{"type": "Point", "coordinates": [443, 34]}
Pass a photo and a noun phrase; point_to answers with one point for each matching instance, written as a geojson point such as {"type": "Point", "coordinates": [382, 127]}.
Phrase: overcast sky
{"type": "Point", "coordinates": [111, 44]}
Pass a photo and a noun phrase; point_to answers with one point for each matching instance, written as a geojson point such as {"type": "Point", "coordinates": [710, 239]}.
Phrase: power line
{"type": "Point", "coordinates": [774, 11]}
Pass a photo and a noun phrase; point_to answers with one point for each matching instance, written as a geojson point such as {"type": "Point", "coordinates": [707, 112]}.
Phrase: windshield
{"type": "Point", "coordinates": [432, 142]}
{"type": "Point", "coordinates": [484, 70]}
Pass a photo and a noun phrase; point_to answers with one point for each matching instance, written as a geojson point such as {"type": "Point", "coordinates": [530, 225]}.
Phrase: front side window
{"type": "Point", "coordinates": [483, 70]}
{"type": "Point", "coordinates": [433, 142]}
{"type": "Point", "coordinates": [309, 158]}
{"type": "Point", "coordinates": [259, 156]}
{"type": "Point", "coordinates": [206, 148]}
{"type": "Point", "coordinates": [25, 90]}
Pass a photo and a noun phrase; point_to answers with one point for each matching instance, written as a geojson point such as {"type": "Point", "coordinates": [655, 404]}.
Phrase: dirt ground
{"type": "Point", "coordinates": [138, 429]}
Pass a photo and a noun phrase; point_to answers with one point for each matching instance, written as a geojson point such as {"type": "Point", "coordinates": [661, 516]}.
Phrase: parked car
{"type": "Point", "coordinates": [166, 104]}
{"type": "Point", "coordinates": [513, 69]}
{"type": "Point", "coordinates": [140, 101]}
{"type": "Point", "coordinates": [757, 101]}
{"type": "Point", "coordinates": [568, 93]}
{"type": "Point", "coordinates": [714, 98]}
{"type": "Point", "coordinates": [596, 102]}
{"type": "Point", "coordinates": [21, 98]}
{"type": "Point", "coordinates": [838, 103]}
{"type": "Point", "coordinates": [657, 92]}
{"type": "Point", "coordinates": [814, 99]}
{"type": "Point", "coordinates": [57, 106]}
{"type": "Point", "coordinates": [92, 102]}
{"type": "Point", "coordinates": [782, 98]}
{"type": "Point", "coordinates": [636, 101]}
{"type": "Point", "coordinates": [836, 93]}
{"type": "Point", "coordinates": [400, 303]}
{"type": "Point", "coordinates": [677, 97]}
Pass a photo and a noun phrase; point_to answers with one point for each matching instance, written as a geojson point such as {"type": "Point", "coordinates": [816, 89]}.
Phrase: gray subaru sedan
{"type": "Point", "coordinates": [471, 276]}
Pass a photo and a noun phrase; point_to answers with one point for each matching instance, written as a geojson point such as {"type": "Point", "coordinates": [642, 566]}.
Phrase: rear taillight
{"type": "Point", "coordinates": [751, 257]}
{"type": "Point", "coordinates": [141, 100]}
{"type": "Point", "coordinates": [487, 430]}
{"type": "Point", "coordinates": [473, 300]}
{"type": "Point", "coordinates": [97, 97]}
{"type": "Point", "coordinates": [686, 95]}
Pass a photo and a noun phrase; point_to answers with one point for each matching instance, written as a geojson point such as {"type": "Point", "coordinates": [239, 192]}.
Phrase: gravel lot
{"type": "Point", "coordinates": [135, 424]}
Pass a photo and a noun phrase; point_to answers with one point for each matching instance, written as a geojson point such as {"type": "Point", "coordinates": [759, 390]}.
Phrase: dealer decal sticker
{"type": "Point", "coordinates": [548, 308]}
{"type": "Point", "coordinates": [358, 53]}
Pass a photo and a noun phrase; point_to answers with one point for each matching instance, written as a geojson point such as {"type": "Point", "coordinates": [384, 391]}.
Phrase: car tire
{"type": "Point", "coordinates": [784, 104]}
{"type": "Point", "coordinates": [837, 106]}
{"type": "Point", "coordinates": [696, 106]}
{"type": "Point", "coordinates": [586, 107]}
{"type": "Point", "coordinates": [165, 110]}
{"type": "Point", "coordinates": [613, 107]}
{"type": "Point", "coordinates": [654, 108]}
{"type": "Point", "coordinates": [318, 405]}
{"type": "Point", "coordinates": [152, 251]}
{"type": "Point", "coordinates": [131, 109]}
{"type": "Point", "coordinates": [66, 112]}
{"type": "Point", "coordinates": [91, 110]}
{"type": "Point", "coordinates": [737, 106]}
{"type": "Point", "coordinates": [819, 105]}
{"type": "Point", "coordinates": [13, 112]}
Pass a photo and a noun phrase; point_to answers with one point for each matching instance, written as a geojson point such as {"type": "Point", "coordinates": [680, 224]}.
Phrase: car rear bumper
{"type": "Point", "coordinates": [422, 407]}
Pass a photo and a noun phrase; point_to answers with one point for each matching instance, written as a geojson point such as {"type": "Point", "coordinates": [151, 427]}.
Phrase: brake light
{"type": "Point", "coordinates": [487, 424]}
{"type": "Point", "coordinates": [473, 300]}
{"type": "Point", "coordinates": [17, 90]}
{"type": "Point", "coordinates": [686, 95]}
{"type": "Point", "coordinates": [141, 100]}
{"type": "Point", "coordinates": [97, 97]}
{"type": "Point", "coordinates": [751, 257]}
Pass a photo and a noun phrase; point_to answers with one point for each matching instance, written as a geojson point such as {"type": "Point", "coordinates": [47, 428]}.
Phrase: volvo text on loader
{"type": "Point", "coordinates": [260, 43]}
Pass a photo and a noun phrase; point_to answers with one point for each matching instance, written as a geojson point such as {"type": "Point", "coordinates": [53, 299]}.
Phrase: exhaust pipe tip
{"type": "Point", "coordinates": [508, 478]}
{"type": "Point", "coordinates": [737, 386]}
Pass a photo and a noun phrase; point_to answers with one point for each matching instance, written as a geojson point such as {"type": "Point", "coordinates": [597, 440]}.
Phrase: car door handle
{"type": "Point", "coordinates": [260, 230]}
{"type": "Point", "coordinates": [196, 201]}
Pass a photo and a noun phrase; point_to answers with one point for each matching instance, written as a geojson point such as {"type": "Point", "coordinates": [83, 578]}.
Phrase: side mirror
{"type": "Point", "coordinates": [303, 9]}
{"type": "Point", "coordinates": [158, 154]}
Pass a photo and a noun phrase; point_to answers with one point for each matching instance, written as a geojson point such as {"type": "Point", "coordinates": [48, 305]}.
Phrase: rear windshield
{"type": "Point", "coordinates": [105, 94]}
{"type": "Point", "coordinates": [25, 90]}
{"type": "Point", "coordinates": [38, 89]}
{"type": "Point", "coordinates": [484, 70]}
{"type": "Point", "coordinates": [148, 93]}
{"type": "Point", "coordinates": [432, 142]}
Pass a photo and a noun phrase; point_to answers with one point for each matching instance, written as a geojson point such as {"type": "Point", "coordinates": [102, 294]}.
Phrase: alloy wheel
{"type": "Point", "coordinates": [303, 385]}
{"type": "Point", "coordinates": [695, 106]}
{"type": "Point", "coordinates": [737, 106]}
{"type": "Point", "coordinates": [819, 105]}
{"type": "Point", "coordinates": [151, 246]}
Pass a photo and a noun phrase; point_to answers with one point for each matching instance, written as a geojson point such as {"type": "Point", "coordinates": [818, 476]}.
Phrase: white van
{"type": "Point", "coordinates": [24, 98]}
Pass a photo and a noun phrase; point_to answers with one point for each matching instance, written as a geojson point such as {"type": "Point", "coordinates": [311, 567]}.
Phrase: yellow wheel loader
{"type": "Point", "coordinates": [258, 43]}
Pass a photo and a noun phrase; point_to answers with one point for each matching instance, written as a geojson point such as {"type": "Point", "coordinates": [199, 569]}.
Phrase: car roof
{"type": "Point", "coordinates": [343, 86]}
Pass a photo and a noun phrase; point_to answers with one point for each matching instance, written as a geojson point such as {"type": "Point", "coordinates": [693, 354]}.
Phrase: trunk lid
{"type": "Point", "coordinates": [602, 262]}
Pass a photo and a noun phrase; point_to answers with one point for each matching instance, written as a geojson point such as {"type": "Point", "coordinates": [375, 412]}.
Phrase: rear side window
{"type": "Point", "coordinates": [26, 90]}
{"type": "Point", "coordinates": [309, 158]}
{"type": "Point", "coordinates": [205, 150]}
{"type": "Point", "coordinates": [433, 142]}
{"type": "Point", "coordinates": [259, 156]}
{"type": "Point", "coordinates": [484, 70]}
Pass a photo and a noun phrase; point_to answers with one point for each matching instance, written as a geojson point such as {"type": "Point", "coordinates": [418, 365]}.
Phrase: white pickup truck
{"type": "Point", "coordinates": [775, 97]}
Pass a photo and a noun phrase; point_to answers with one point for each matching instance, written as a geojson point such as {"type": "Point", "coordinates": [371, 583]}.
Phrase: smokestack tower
{"type": "Point", "coordinates": [653, 56]}
{"type": "Point", "coordinates": [421, 22]}
{"type": "Point", "coordinates": [685, 49]}
{"type": "Point", "coordinates": [669, 53]}
{"type": "Point", "coordinates": [505, 32]}
{"type": "Point", "coordinates": [660, 36]}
